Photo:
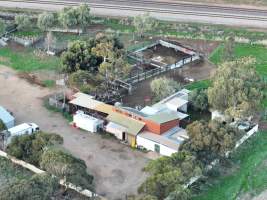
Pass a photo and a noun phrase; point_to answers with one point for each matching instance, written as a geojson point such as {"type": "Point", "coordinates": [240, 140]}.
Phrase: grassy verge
{"type": "Point", "coordinates": [250, 173]}
{"type": "Point", "coordinates": [190, 30]}
{"type": "Point", "coordinates": [34, 32]}
{"type": "Point", "coordinates": [49, 83]}
{"type": "Point", "coordinates": [204, 84]}
{"type": "Point", "coordinates": [27, 60]}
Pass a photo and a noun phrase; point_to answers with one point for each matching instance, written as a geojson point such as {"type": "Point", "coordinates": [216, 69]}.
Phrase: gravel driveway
{"type": "Point", "coordinates": [117, 168]}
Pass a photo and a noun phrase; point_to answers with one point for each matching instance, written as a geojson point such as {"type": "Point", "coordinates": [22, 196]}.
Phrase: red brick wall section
{"type": "Point", "coordinates": [152, 127]}
{"type": "Point", "coordinates": [160, 128]}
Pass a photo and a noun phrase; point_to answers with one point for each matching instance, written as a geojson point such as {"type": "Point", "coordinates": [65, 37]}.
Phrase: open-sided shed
{"type": "Point", "coordinates": [7, 118]}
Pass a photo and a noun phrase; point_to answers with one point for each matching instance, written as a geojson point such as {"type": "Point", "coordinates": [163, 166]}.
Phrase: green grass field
{"type": "Point", "coordinates": [27, 61]}
{"type": "Point", "coordinates": [249, 174]}
{"type": "Point", "coordinates": [242, 50]}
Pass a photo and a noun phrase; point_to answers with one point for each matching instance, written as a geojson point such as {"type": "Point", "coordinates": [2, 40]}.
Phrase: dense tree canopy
{"type": "Point", "coordinates": [84, 16]}
{"type": "Point", "coordinates": [68, 17]}
{"type": "Point", "coordinates": [103, 54]}
{"type": "Point", "coordinates": [64, 165]}
{"type": "Point", "coordinates": [144, 23]}
{"type": "Point", "coordinates": [71, 16]}
{"type": "Point", "coordinates": [237, 89]}
{"type": "Point", "coordinates": [169, 174]}
{"type": "Point", "coordinates": [210, 139]}
{"type": "Point", "coordinates": [85, 81]}
{"type": "Point", "coordinates": [46, 20]}
{"type": "Point", "coordinates": [38, 187]}
{"type": "Point", "coordinates": [115, 68]}
{"type": "Point", "coordinates": [30, 147]}
{"type": "Point", "coordinates": [199, 99]}
{"type": "Point", "coordinates": [163, 87]}
{"type": "Point", "coordinates": [79, 57]}
{"type": "Point", "coordinates": [23, 22]}
{"type": "Point", "coordinates": [229, 47]}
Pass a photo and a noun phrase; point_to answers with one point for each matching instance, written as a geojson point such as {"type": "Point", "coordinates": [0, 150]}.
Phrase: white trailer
{"type": "Point", "coordinates": [87, 122]}
{"type": "Point", "coordinates": [22, 129]}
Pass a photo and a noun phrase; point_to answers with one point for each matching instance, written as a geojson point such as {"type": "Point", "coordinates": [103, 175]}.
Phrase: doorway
{"type": "Point", "coordinates": [123, 136]}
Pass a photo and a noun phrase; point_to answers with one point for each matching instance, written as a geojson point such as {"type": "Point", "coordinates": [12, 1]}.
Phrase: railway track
{"type": "Point", "coordinates": [186, 5]}
{"type": "Point", "coordinates": [137, 5]}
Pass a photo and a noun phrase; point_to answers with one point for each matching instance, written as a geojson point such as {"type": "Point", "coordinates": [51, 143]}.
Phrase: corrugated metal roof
{"type": "Point", "coordinates": [176, 102]}
{"type": "Point", "coordinates": [104, 108]}
{"type": "Point", "coordinates": [133, 126]}
{"type": "Point", "coordinates": [163, 117]}
{"type": "Point", "coordinates": [5, 116]}
{"type": "Point", "coordinates": [87, 101]}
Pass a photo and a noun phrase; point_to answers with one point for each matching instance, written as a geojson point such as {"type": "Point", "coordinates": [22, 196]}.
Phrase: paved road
{"type": "Point", "coordinates": [171, 10]}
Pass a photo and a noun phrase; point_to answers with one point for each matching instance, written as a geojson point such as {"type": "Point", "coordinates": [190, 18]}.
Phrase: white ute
{"type": "Point", "coordinates": [22, 129]}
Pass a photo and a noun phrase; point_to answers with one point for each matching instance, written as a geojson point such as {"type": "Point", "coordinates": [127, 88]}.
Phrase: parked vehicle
{"type": "Point", "coordinates": [22, 129]}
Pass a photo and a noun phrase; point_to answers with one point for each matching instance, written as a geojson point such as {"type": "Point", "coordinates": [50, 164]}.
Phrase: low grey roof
{"type": "Point", "coordinates": [163, 117]}
{"type": "Point", "coordinates": [160, 139]}
{"type": "Point", "coordinates": [5, 116]}
{"type": "Point", "coordinates": [172, 138]}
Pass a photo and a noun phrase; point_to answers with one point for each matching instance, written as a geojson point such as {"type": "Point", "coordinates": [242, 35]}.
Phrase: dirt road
{"type": "Point", "coordinates": [117, 168]}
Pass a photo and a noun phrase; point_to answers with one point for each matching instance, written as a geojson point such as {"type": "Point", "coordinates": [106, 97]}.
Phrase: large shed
{"type": "Point", "coordinates": [7, 118]}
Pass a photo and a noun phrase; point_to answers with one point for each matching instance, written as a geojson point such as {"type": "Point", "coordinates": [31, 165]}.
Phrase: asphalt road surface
{"type": "Point", "coordinates": [165, 10]}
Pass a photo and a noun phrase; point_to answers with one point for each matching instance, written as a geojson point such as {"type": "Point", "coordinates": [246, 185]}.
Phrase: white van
{"type": "Point", "coordinates": [22, 129]}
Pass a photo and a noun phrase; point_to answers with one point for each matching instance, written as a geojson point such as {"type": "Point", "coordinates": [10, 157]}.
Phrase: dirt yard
{"type": "Point", "coordinates": [117, 168]}
{"type": "Point", "coordinates": [163, 54]}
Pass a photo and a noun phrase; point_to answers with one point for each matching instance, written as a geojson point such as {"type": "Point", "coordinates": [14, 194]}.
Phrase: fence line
{"type": "Point", "coordinates": [151, 73]}
{"type": "Point", "coordinates": [62, 182]}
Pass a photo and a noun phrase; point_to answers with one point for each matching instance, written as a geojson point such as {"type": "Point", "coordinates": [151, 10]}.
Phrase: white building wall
{"type": "Point", "coordinates": [118, 134]}
{"type": "Point", "coordinates": [150, 145]}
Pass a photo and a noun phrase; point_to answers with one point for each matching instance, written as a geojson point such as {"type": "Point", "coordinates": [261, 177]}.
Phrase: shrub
{"type": "Point", "coordinates": [39, 187]}
{"type": "Point", "coordinates": [64, 165]}
{"type": "Point", "coordinates": [30, 147]}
